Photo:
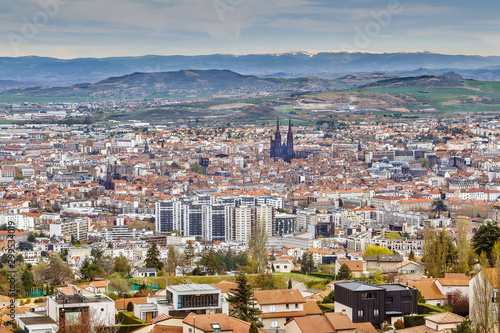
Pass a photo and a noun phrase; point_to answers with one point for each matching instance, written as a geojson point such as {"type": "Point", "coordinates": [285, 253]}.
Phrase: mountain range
{"type": "Point", "coordinates": [31, 71]}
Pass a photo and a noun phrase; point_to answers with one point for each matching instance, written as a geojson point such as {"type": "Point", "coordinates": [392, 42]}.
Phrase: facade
{"type": "Point", "coordinates": [279, 306]}
{"type": "Point", "coordinates": [78, 229]}
{"type": "Point", "coordinates": [282, 150]}
{"type": "Point", "coordinates": [198, 298]}
{"type": "Point", "coordinates": [364, 302]}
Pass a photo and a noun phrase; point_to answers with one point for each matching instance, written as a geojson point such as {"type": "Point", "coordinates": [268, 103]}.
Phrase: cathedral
{"type": "Point", "coordinates": [282, 150]}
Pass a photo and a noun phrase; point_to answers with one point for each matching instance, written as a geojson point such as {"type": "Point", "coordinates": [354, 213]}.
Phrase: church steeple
{"type": "Point", "coordinates": [289, 137]}
{"type": "Point", "coordinates": [277, 135]}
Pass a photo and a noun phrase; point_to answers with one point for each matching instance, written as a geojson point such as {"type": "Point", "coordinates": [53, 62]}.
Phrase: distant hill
{"type": "Point", "coordinates": [12, 84]}
{"type": "Point", "coordinates": [424, 81]}
{"type": "Point", "coordinates": [184, 82]}
{"type": "Point", "coordinates": [62, 72]}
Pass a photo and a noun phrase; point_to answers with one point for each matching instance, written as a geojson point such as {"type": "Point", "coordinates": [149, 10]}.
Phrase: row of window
{"type": "Point", "coordinates": [375, 313]}
{"type": "Point", "coordinates": [272, 308]}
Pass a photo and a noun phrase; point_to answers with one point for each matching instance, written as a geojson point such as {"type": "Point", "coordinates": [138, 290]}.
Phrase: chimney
{"type": "Point", "coordinates": [344, 312]}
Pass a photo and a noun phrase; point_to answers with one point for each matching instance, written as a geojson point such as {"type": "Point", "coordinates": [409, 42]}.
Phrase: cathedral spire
{"type": "Point", "coordinates": [289, 136]}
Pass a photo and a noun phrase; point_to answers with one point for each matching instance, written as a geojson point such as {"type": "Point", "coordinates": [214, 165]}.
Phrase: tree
{"type": "Point", "coordinates": [253, 328]}
{"type": "Point", "coordinates": [243, 304]}
{"type": "Point", "coordinates": [485, 238]}
{"type": "Point", "coordinates": [344, 272]}
{"type": "Point", "coordinates": [482, 309]}
{"type": "Point", "coordinates": [120, 284]}
{"type": "Point", "coordinates": [153, 258]}
{"type": "Point", "coordinates": [373, 250]}
{"type": "Point", "coordinates": [96, 254]}
{"type": "Point", "coordinates": [130, 307]}
{"type": "Point", "coordinates": [210, 260]}
{"type": "Point", "coordinates": [172, 260]}
{"type": "Point", "coordinates": [31, 238]}
{"type": "Point", "coordinates": [57, 271]}
{"type": "Point", "coordinates": [458, 302]}
{"type": "Point", "coordinates": [439, 206]}
{"type": "Point", "coordinates": [330, 298]}
{"type": "Point", "coordinates": [40, 272]}
{"type": "Point", "coordinates": [19, 177]}
{"type": "Point", "coordinates": [307, 263]}
{"type": "Point", "coordinates": [289, 286]}
{"type": "Point", "coordinates": [463, 246]}
{"type": "Point", "coordinates": [106, 263]}
{"type": "Point", "coordinates": [122, 266]}
{"type": "Point", "coordinates": [439, 252]}
{"type": "Point", "coordinates": [265, 281]}
{"type": "Point", "coordinates": [378, 278]}
{"type": "Point", "coordinates": [411, 256]}
{"type": "Point", "coordinates": [393, 235]}
{"type": "Point", "coordinates": [25, 246]}
{"type": "Point", "coordinates": [91, 271]}
{"type": "Point", "coordinates": [258, 248]}
{"type": "Point", "coordinates": [189, 253]}
{"type": "Point", "coordinates": [465, 326]}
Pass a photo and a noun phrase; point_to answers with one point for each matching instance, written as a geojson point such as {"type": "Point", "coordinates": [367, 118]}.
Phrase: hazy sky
{"type": "Point", "coordinates": [103, 28]}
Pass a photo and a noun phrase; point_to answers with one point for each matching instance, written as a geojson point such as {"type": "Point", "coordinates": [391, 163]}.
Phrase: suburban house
{"type": "Point", "coordinates": [197, 298]}
{"type": "Point", "coordinates": [454, 282]}
{"type": "Point", "coordinates": [144, 272]}
{"type": "Point", "coordinates": [65, 310]}
{"type": "Point", "coordinates": [197, 323]}
{"type": "Point", "coordinates": [358, 267]}
{"type": "Point", "coordinates": [98, 287]}
{"type": "Point", "coordinates": [364, 302]}
{"type": "Point", "coordinates": [327, 323]}
{"type": "Point", "coordinates": [225, 287]}
{"type": "Point", "coordinates": [385, 263]}
{"type": "Point", "coordinates": [440, 322]}
{"type": "Point", "coordinates": [410, 267]}
{"type": "Point", "coordinates": [429, 290]}
{"type": "Point", "coordinates": [281, 266]}
{"type": "Point", "coordinates": [279, 306]}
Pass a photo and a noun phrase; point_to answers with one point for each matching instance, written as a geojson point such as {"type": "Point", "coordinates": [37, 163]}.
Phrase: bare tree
{"type": "Point", "coordinates": [257, 245]}
{"type": "Point", "coordinates": [481, 305]}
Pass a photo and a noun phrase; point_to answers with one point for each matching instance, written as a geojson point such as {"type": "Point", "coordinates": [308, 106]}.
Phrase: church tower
{"type": "Point", "coordinates": [290, 154]}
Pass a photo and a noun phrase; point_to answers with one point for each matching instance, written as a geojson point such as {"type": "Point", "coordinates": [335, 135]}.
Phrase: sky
{"type": "Point", "coordinates": [107, 28]}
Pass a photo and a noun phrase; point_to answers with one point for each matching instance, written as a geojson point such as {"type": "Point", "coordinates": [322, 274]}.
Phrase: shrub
{"type": "Point", "coordinates": [130, 307]}
{"type": "Point", "coordinates": [399, 324]}
{"type": "Point", "coordinates": [39, 300]}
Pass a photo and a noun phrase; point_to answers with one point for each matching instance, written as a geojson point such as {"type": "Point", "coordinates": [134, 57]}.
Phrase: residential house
{"type": "Point", "coordinates": [385, 263]}
{"type": "Point", "coordinates": [410, 267]}
{"type": "Point", "coordinates": [327, 323]}
{"type": "Point", "coordinates": [486, 282]}
{"type": "Point", "coordinates": [279, 306]}
{"type": "Point", "coordinates": [429, 290]}
{"type": "Point", "coordinates": [98, 287]}
{"type": "Point", "coordinates": [144, 272]}
{"type": "Point", "coordinates": [440, 322]}
{"type": "Point", "coordinates": [281, 266]}
{"type": "Point", "coordinates": [454, 282]}
{"type": "Point", "coordinates": [364, 302]}
{"type": "Point", "coordinates": [358, 267]}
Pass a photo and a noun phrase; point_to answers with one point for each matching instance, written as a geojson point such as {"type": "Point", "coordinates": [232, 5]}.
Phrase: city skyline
{"type": "Point", "coordinates": [70, 29]}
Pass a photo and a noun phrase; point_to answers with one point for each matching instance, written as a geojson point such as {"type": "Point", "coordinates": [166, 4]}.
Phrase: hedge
{"type": "Point", "coordinates": [326, 307]}
{"type": "Point", "coordinates": [417, 320]}
{"type": "Point", "coordinates": [427, 309]}
{"type": "Point", "coordinates": [127, 318]}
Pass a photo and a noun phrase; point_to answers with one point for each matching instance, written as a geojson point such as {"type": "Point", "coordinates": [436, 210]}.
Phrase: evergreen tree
{"type": "Point", "coordinates": [153, 258]}
{"type": "Point", "coordinates": [344, 272]}
{"type": "Point", "coordinates": [130, 307]}
{"type": "Point", "coordinates": [189, 253]}
{"type": "Point", "coordinates": [243, 304]}
{"type": "Point", "coordinates": [484, 239]}
{"type": "Point", "coordinates": [411, 256]}
{"type": "Point", "coordinates": [210, 260]}
{"type": "Point", "coordinates": [289, 284]}
{"type": "Point", "coordinates": [253, 328]}
{"type": "Point", "coordinates": [307, 263]}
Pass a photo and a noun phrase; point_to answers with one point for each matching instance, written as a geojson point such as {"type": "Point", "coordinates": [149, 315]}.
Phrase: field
{"type": "Point", "coordinates": [280, 278]}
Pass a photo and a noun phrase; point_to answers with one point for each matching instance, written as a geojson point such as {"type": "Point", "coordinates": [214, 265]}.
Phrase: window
{"type": "Point", "coordinates": [375, 312]}
{"type": "Point", "coordinates": [272, 308]}
{"type": "Point", "coordinates": [285, 267]}
{"type": "Point", "coordinates": [389, 300]}
{"type": "Point", "coordinates": [288, 306]}
{"type": "Point", "coordinates": [274, 323]}
{"type": "Point", "coordinates": [296, 305]}
{"type": "Point", "coordinates": [360, 313]}
{"type": "Point", "coordinates": [368, 295]}
{"type": "Point", "coordinates": [216, 327]}
{"type": "Point", "coordinates": [277, 266]}
{"type": "Point", "coordinates": [406, 299]}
